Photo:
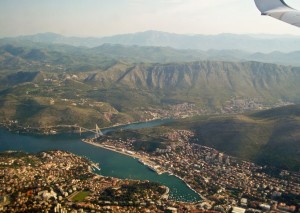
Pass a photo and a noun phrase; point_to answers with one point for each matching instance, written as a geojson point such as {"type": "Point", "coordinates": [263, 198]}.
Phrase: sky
{"type": "Point", "coordinates": [97, 18]}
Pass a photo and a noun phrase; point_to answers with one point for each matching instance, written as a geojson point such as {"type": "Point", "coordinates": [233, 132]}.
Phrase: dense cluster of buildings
{"type": "Point", "coordinates": [241, 105]}
{"type": "Point", "coordinates": [226, 183]}
{"type": "Point", "coordinates": [58, 181]}
{"type": "Point", "coordinates": [182, 110]}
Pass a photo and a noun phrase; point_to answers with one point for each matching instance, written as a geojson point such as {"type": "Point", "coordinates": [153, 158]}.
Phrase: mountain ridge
{"type": "Point", "coordinates": [208, 83]}
{"type": "Point", "coordinates": [37, 56]}
{"type": "Point", "coordinates": [250, 43]}
{"type": "Point", "coordinates": [207, 78]}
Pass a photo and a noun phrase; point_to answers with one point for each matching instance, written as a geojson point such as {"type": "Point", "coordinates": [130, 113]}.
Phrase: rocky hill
{"type": "Point", "coordinates": [206, 80]}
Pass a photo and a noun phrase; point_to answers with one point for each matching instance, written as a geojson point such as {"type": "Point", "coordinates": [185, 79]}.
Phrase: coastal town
{"type": "Point", "coordinates": [225, 183]}
{"type": "Point", "coordinates": [58, 181]}
{"type": "Point", "coordinates": [163, 106]}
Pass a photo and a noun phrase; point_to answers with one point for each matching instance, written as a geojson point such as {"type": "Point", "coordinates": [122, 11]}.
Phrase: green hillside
{"type": "Point", "coordinates": [268, 137]}
{"type": "Point", "coordinates": [45, 111]}
{"type": "Point", "coordinates": [29, 56]}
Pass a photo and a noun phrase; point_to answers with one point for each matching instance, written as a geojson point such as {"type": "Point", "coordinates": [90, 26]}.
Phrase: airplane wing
{"type": "Point", "coordinates": [280, 10]}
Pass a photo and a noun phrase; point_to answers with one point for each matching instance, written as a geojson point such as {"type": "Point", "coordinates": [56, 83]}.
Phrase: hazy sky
{"type": "Point", "coordinates": [108, 17]}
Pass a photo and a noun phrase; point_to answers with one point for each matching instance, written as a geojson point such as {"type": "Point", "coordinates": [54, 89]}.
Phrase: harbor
{"type": "Point", "coordinates": [142, 159]}
{"type": "Point", "coordinates": [112, 163]}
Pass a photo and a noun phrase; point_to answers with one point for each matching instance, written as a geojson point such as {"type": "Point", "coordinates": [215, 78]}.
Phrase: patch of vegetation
{"type": "Point", "coordinates": [80, 196]}
{"type": "Point", "coordinates": [132, 192]}
{"type": "Point", "coordinates": [148, 139]}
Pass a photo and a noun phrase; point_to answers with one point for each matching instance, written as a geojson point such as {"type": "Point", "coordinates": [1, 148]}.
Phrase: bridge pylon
{"type": "Point", "coordinates": [98, 132]}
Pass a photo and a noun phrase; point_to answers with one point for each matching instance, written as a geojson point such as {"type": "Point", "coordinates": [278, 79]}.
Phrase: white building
{"type": "Point", "coordinates": [238, 210]}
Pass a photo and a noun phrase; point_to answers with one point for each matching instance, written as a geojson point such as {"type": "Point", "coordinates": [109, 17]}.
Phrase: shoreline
{"type": "Point", "coordinates": [108, 148]}
{"type": "Point", "coordinates": [54, 130]}
{"type": "Point", "coordinates": [139, 158]}
{"type": "Point", "coordinates": [135, 123]}
{"type": "Point", "coordinates": [135, 156]}
{"type": "Point", "coordinates": [201, 196]}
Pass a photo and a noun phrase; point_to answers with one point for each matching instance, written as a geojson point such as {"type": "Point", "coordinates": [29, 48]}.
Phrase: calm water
{"type": "Point", "coordinates": [111, 163]}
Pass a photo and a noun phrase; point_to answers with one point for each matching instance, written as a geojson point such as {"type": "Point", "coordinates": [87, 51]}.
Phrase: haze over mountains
{"type": "Point", "coordinates": [249, 43]}
{"type": "Point", "coordinates": [17, 55]}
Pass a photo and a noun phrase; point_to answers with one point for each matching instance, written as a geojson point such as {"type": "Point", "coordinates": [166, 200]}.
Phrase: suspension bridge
{"type": "Point", "coordinates": [97, 130]}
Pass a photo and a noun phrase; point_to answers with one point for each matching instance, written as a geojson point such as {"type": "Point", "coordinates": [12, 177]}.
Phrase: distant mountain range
{"type": "Point", "coordinates": [249, 43]}
{"type": "Point", "coordinates": [28, 56]}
